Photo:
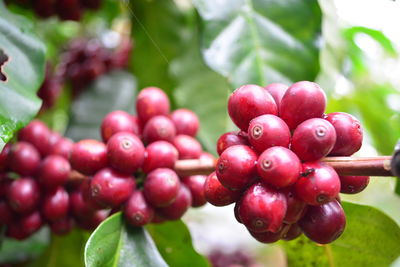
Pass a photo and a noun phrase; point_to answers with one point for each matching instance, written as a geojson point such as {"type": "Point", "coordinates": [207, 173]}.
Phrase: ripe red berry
{"type": "Point", "coordinates": [313, 139]}
{"type": "Point", "coordinates": [195, 183]}
{"type": "Point", "coordinates": [54, 171]}
{"type": "Point", "coordinates": [295, 207]}
{"type": "Point", "coordinates": [4, 157]}
{"type": "Point", "coordinates": [325, 223]}
{"type": "Point", "coordinates": [277, 90]}
{"type": "Point", "coordinates": [151, 102]}
{"type": "Point", "coordinates": [353, 184]}
{"type": "Point", "coordinates": [187, 146]}
{"type": "Point", "coordinates": [218, 195]}
{"type": "Point", "coordinates": [30, 223]}
{"type": "Point", "coordinates": [24, 159]}
{"type": "Point", "coordinates": [178, 207]}
{"type": "Point", "coordinates": [23, 195]}
{"type": "Point", "coordinates": [38, 134]}
{"type": "Point", "coordinates": [236, 168]}
{"type": "Point", "coordinates": [273, 167]}
{"type": "Point", "coordinates": [159, 128]}
{"type": "Point", "coordinates": [348, 131]}
{"type": "Point", "coordinates": [55, 205]}
{"type": "Point", "coordinates": [186, 122]}
{"type": "Point", "coordinates": [63, 226]}
{"type": "Point", "coordinates": [262, 208]}
{"type": "Point", "coordinates": [302, 101]}
{"type": "Point", "coordinates": [319, 183]}
{"type": "Point", "coordinates": [161, 187]}
{"type": "Point", "coordinates": [231, 139]}
{"type": "Point", "coordinates": [137, 211]}
{"type": "Point", "coordinates": [88, 156]}
{"type": "Point", "coordinates": [248, 102]}
{"type": "Point", "coordinates": [117, 121]}
{"type": "Point", "coordinates": [63, 148]}
{"type": "Point", "coordinates": [293, 232]}
{"type": "Point", "coordinates": [111, 188]}
{"type": "Point", "coordinates": [266, 237]}
{"type": "Point", "coordinates": [159, 154]}
{"type": "Point", "coordinates": [79, 207]}
{"type": "Point", "coordinates": [207, 157]}
{"type": "Point", "coordinates": [266, 131]}
{"type": "Point", "coordinates": [125, 152]}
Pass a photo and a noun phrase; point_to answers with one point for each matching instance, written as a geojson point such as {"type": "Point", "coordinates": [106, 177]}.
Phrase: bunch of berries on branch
{"type": "Point", "coordinates": [272, 167]}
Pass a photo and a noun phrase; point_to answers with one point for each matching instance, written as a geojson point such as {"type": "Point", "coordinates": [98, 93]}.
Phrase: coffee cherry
{"type": "Point", "coordinates": [248, 102]}
{"type": "Point", "coordinates": [266, 237]}
{"type": "Point", "coordinates": [319, 183]}
{"type": "Point", "coordinates": [186, 122]}
{"type": "Point", "coordinates": [38, 134]}
{"type": "Point", "coordinates": [24, 159]}
{"type": "Point", "coordinates": [63, 226]}
{"type": "Point", "coordinates": [262, 208]}
{"type": "Point", "coordinates": [6, 214]}
{"type": "Point", "coordinates": [111, 188]}
{"type": "Point", "coordinates": [218, 195]}
{"type": "Point", "coordinates": [176, 209]}
{"type": "Point", "coordinates": [353, 184]}
{"type": "Point", "coordinates": [79, 207]}
{"type": "Point", "coordinates": [159, 128]}
{"type": "Point", "coordinates": [302, 101]}
{"type": "Point", "coordinates": [151, 102]}
{"type": "Point", "coordinates": [55, 205]}
{"type": "Point", "coordinates": [207, 157]}
{"type": "Point", "coordinates": [88, 156]}
{"type": "Point", "coordinates": [266, 131]}
{"type": "Point", "coordinates": [187, 146]}
{"type": "Point", "coordinates": [161, 187]}
{"type": "Point", "coordinates": [273, 166]}
{"type": "Point", "coordinates": [53, 171]}
{"type": "Point", "coordinates": [159, 154]}
{"type": "Point", "coordinates": [30, 223]}
{"type": "Point", "coordinates": [236, 168]}
{"type": "Point", "coordinates": [292, 233]}
{"type": "Point", "coordinates": [348, 131]}
{"type": "Point", "coordinates": [295, 207]}
{"type": "Point", "coordinates": [195, 183]}
{"type": "Point", "coordinates": [277, 90]}
{"type": "Point", "coordinates": [313, 139]}
{"type": "Point", "coordinates": [125, 152]}
{"type": "Point", "coordinates": [16, 231]}
{"type": "Point", "coordinates": [117, 121]}
{"type": "Point", "coordinates": [4, 158]}
{"type": "Point", "coordinates": [231, 139]}
{"type": "Point", "coordinates": [63, 148]}
{"type": "Point", "coordinates": [325, 223]}
{"type": "Point", "coordinates": [137, 212]}
{"type": "Point", "coordinates": [54, 138]}
{"type": "Point", "coordinates": [23, 195]}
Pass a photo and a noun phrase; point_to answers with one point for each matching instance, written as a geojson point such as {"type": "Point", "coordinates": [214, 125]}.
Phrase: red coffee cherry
{"type": "Point", "coordinates": [55, 205]}
{"type": "Point", "coordinates": [295, 207]}
{"type": "Point", "coordinates": [186, 121]}
{"type": "Point", "coordinates": [4, 158]}
{"type": "Point", "coordinates": [24, 159]}
{"type": "Point", "coordinates": [319, 183]}
{"type": "Point", "coordinates": [277, 90]}
{"type": "Point", "coordinates": [88, 156]}
{"type": "Point", "coordinates": [16, 231]}
{"type": "Point", "coordinates": [137, 211]}
{"type": "Point", "coordinates": [110, 188]}
{"type": "Point", "coordinates": [63, 148]}
{"type": "Point", "coordinates": [23, 195]}
{"type": "Point", "coordinates": [266, 237]}
{"type": "Point", "coordinates": [313, 139]}
{"type": "Point", "coordinates": [353, 184]}
{"type": "Point", "coordinates": [187, 146]}
{"type": "Point", "coordinates": [159, 154]}
{"type": "Point", "coordinates": [236, 168]}
{"type": "Point", "coordinates": [262, 208]}
{"type": "Point", "coordinates": [63, 226]}
{"type": "Point", "coordinates": [54, 171]}
{"type": "Point", "coordinates": [348, 131]}
{"type": "Point", "coordinates": [159, 128]}
{"type": "Point", "coordinates": [302, 101]}
{"type": "Point", "coordinates": [6, 214]}
{"type": "Point", "coordinates": [79, 207]}
{"type": "Point", "coordinates": [273, 167]}
{"type": "Point", "coordinates": [195, 183]}
{"type": "Point", "coordinates": [325, 223]}
{"type": "Point", "coordinates": [266, 131]}
{"type": "Point", "coordinates": [218, 195]}
{"type": "Point", "coordinates": [161, 187]}
{"type": "Point", "coordinates": [293, 232]}
{"type": "Point", "coordinates": [30, 223]}
{"type": "Point", "coordinates": [248, 102]}
{"type": "Point", "coordinates": [125, 152]}
{"type": "Point", "coordinates": [177, 209]}
{"type": "Point", "coordinates": [54, 138]}
{"type": "Point", "coordinates": [117, 121]}
{"type": "Point", "coordinates": [151, 102]}
{"type": "Point", "coordinates": [38, 134]}
{"type": "Point", "coordinates": [231, 139]}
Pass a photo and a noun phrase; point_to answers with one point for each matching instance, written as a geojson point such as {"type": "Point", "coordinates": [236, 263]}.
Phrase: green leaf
{"type": "Point", "coordinates": [114, 243]}
{"type": "Point", "coordinates": [256, 41]}
{"type": "Point", "coordinates": [24, 71]}
{"type": "Point", "coordinates": [114, 91]}
{"type": "Point", "coordinates": [371, 238]}
{"type": "Point", "coordinates": [174, 242]}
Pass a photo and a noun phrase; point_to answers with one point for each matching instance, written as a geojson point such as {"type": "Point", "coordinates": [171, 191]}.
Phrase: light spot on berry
{"type": "Point", "coordinates": [320, 131]}
{"type": "Point", "coordinates": [126, 144]}
{"type": "Point", "coordinates": [321, 199]}
{"type": "Point", "coordinates": [257, 131]}
{"type": "Point", "coordinates": [266, 164]}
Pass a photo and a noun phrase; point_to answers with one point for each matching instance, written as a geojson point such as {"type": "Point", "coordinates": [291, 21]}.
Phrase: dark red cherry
{"type": "Point", "coordinates": [150, 102]}
{"type": "Point", "coordinates": [195, 183]}
{"type": "Point", "coordinates": [277, 90]}
{"type": "Point", "coordinates": [54, 171]}
{"type": "Point", "coordinates": [187, 146]}
{"type": "Point", "coordinates": [23, 195]}
{"type": "Point", "coordinates": [353, 184]}
{"type": "Point", "coordinates": [63, 226]}
{"type": "Point", "coordinates": [63, 148]}
{"type": "Point", "coordinates": [4, 157]}
{"type": "Point", "coordinates": [159, 154]}
{"type": "Point", "coordinates": [231, 139]}
{"type": "Point", "coordinates": [24, 159]}
{"type": "Point", "coordinates": [218, 195]}
{"type": "Point", "coordinates": [88, 156]}
{"type": "Point", "coordinates": [38, 134]}
{"type": "Point", "coordinates": [293, 232]}
{"type": "Point", "coordinates": [178, 207]}
{"type": "Point", "coordinates": [295, 207]}
{"type": "Point", "coordinates": [117, 121]}
{"type": "Point", "coordinates": [55, 205]}
{"type": "Point", "coordinates": [186, 121]}
{"type": "Point", "coordinates": [137, 211]}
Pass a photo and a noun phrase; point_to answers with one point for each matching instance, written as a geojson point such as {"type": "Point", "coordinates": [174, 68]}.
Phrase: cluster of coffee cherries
{"type": "Point", "coordinates": [272, 167]}
{"type": "Point", "coordinates": [83, 61]}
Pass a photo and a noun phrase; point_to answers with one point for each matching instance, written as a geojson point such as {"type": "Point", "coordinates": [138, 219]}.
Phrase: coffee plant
{"type": "Point", "coordinates": [148, 133]}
